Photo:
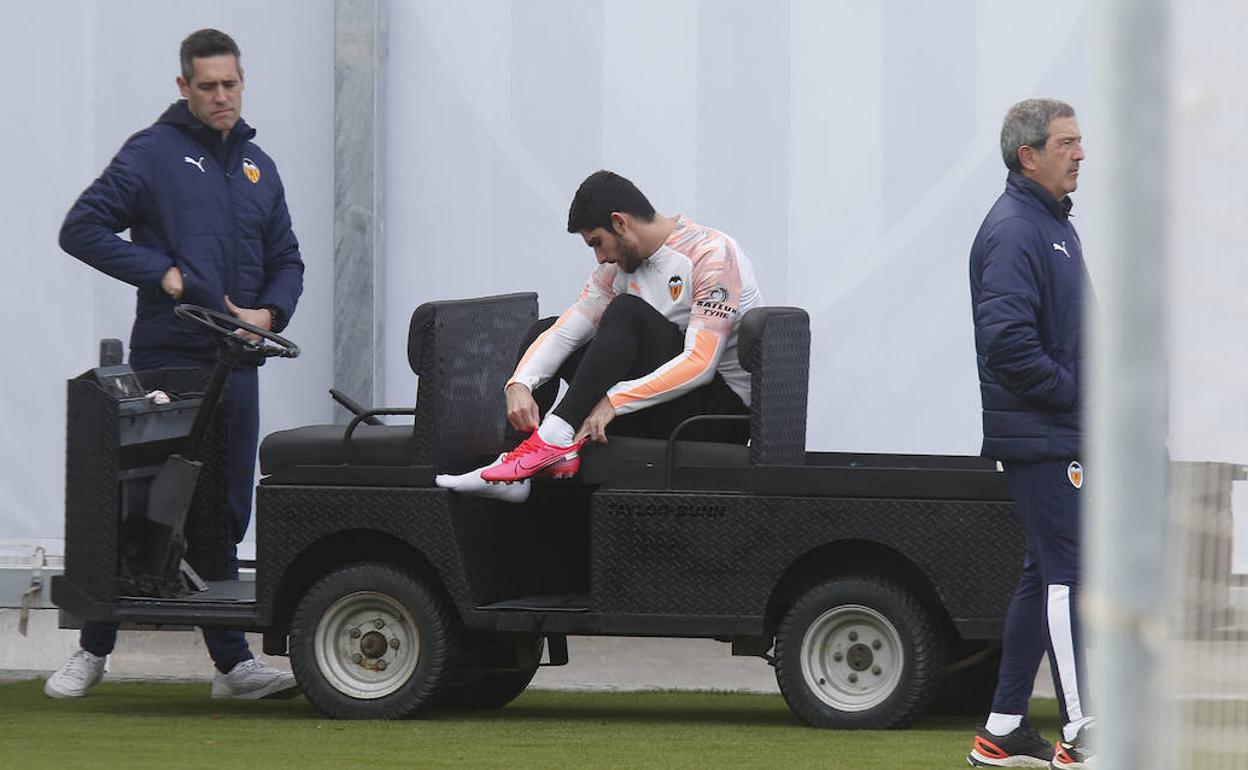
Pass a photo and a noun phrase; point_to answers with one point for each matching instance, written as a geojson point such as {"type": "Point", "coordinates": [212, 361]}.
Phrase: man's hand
{"type": "Point", "coordinates": [261, 317]}
{"type": "Point", "coordinates": [522, 410]}
{"type": "Point", "coordinates": [595, 425]}
{"type": "Point", "coordinates": [171, 282]}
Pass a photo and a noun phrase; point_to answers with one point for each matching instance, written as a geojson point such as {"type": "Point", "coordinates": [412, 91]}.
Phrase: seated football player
{"type": "Point", "coordinates": [651, 341]}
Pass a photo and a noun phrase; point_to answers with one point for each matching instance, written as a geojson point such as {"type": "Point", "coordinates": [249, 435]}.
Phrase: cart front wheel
{"type": "Point", "coordinates": [371, 641]}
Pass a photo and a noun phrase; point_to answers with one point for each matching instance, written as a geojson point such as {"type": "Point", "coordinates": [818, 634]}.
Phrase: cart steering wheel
{"type": "Point", "coordinates": [226, 326]}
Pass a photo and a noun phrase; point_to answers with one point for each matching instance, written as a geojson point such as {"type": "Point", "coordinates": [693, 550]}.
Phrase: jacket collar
{"type": "Point", "coordinates": [179, 114]}
{"type": "Point", "coordinates": [1024, 188]}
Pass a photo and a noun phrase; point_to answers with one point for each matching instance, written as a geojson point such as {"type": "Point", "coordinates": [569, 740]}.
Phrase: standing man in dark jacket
{"type": "Point", "coordinates": [1027, 285]}
{"type": "Point", "coordinates": [208, 226]}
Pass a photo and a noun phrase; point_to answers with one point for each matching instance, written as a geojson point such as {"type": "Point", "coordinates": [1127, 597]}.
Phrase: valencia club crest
{"type": "Point", "coordinates": [675, 285]}
{"type": "Point", "coordinates": [251, 170]}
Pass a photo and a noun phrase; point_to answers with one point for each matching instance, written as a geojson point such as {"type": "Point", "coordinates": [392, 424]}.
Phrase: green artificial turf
{"type": "Point", "coordinates": [176, 725]}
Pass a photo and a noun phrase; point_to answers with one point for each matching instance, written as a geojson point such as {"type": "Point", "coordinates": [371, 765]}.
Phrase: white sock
{"type": "Point", "coordinates": [1003, 724]}
{"type": "Point", "coordinates": [555, 431]}
{"type": "Point", "coordinates": [1071, 729]}
{"type": "Point", "coordinates": [471, 483]}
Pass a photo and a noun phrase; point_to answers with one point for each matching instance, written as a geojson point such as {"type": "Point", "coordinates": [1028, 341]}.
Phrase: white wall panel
{"type": "Point", "coordinates": [849, 147]}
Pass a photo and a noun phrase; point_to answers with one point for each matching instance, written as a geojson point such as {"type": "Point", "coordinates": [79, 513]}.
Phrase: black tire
{"type": "Point", "coordinates": [858, 653]}
{"type": "Point", "coordinates": [495, 672]}
{"type": "Point", "coordinates": [351, 640]}
{"type": "Point", "coordinates": [969, 682]}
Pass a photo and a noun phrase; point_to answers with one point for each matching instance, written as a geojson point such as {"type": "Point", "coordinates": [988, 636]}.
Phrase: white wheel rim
{"type": "Point", "coordinates": [852, 658]}
{"type": "Point", "coordinates": [367, 645]}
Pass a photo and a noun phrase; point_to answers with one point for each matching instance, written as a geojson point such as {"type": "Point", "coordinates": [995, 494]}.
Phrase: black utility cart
{"type": "Point", "coordinates": [875, 584]}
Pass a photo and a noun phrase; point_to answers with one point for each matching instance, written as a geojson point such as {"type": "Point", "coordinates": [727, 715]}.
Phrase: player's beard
{"type": "Point", "coordinates": [630, 257]}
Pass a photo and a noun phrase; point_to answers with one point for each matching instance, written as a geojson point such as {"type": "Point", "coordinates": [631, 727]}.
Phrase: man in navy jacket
{"type": "Point", "coordinates": [209, 226]}
{"type": "Point", "coordinates": [1027, 284]}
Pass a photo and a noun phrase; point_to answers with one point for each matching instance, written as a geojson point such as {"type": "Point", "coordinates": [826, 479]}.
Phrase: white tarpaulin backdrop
{"type": "Point", "coordinates": [849, 147]}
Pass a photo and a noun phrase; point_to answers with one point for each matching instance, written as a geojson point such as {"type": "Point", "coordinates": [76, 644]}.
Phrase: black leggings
{"type": "Point", "coordinates": [634, 339]}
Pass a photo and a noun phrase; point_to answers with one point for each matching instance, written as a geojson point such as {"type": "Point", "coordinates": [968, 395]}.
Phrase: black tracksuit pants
{"type": "Point", "coordinates": [634, 339]}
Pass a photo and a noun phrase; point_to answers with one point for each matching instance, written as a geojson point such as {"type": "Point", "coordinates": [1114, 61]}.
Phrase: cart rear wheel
{"type": "Point", "coordinates": [496, 671]}
{"type": "Point", "coordinates": [858, 652]}
{"type": "Point", "coordinates": [969, 683]}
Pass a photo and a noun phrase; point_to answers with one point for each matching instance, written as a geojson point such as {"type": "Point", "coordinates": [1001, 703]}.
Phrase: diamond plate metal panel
{"type": "Point", "coordinates": [292, 518]}
{"type": "Point", "coordinates": [91, 497]}
{"type": "Point", "coordinates": [723, 554]}
{"type": "Point", "coordinates": [483, 550]}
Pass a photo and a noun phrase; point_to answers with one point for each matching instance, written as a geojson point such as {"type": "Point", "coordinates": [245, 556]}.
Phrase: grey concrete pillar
{"type": "Point", "coordinates": [359, 307]}
{"type": "Point", "coordinates": [1125, 520]}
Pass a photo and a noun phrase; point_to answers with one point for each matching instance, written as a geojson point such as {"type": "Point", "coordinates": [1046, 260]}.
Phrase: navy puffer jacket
{"type": "Point", "coordinates": [214, 207]}
{"type": "Point", "coordinates": [1027, 285]}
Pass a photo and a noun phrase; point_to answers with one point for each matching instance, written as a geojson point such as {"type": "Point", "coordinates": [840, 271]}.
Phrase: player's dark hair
{"type": "Point", "coordinates": [601, 194]}
{"type": "Point", "coordinates": [204, 43]}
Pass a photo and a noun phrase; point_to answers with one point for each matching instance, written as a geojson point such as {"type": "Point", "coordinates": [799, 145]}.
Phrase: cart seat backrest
{"type": "Point", "coordinates": [773, 344]}
{"type": "Point", "coordinates": [463, 351]}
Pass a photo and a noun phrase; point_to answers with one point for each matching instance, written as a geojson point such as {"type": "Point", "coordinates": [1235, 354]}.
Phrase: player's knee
{"type": "Point", "coordinates": [625, 308]}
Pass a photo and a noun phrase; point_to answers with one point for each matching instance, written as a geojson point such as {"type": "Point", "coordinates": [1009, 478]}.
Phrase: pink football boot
{"type": "Point", "coordinates": [535, 457]}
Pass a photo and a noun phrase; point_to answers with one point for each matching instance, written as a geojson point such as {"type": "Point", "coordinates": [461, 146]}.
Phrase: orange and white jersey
{"type": "Point", "coordinates": [700, 280]}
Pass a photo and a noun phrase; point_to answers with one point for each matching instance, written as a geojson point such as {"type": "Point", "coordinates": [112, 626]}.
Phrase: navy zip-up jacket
{"type": "Point", "coordinates": [213, 207]}
{"type": "Point", "coordinates": [1027, 284]}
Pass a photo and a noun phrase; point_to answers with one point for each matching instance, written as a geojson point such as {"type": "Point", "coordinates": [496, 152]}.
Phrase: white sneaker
{"type": "Point", "coordinates": [75, 676]}
{"type": "Point", "coordinates": [253, 680]}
